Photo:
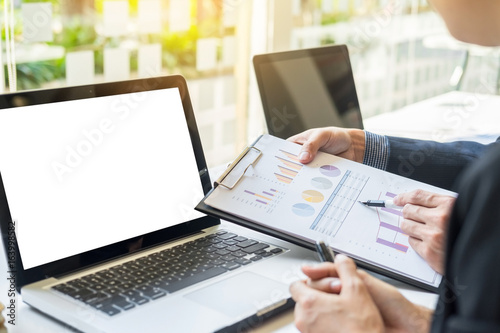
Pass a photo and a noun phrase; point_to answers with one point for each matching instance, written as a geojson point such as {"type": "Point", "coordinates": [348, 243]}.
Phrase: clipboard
{"type": "Point", "coordinates": [240, 165]}
{"type": "Point", "coordinates": [237, 169]}
{"type": "Point", "coordinates": [234, 198]}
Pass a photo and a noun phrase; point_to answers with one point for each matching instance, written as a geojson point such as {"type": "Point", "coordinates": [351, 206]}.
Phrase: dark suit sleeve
{"type": "Point", "coordinates": [469, 299]}
{"type": "Point", "coordinates": [431, 162]}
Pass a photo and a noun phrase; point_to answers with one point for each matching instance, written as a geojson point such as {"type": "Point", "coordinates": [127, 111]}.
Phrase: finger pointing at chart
{"type": "Point", "coordinates": [425, 221]}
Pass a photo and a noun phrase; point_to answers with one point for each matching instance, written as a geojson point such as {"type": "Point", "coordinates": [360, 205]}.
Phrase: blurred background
{"type": "Point", "coordinates": [400, 51]}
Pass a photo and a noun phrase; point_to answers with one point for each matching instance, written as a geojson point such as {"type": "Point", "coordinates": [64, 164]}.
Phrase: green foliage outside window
{"type": "Point", "coordinates": [78, 32]}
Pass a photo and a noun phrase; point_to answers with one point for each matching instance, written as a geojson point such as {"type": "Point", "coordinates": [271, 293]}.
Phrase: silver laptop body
{"type": "Point", "coordinates": [99, 180]}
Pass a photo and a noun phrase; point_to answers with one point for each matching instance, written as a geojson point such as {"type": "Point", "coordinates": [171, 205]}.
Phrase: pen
{"type": "Point", "coordinates": [380, 203]}
{"type": "Point", "coordinates": [324, 251]}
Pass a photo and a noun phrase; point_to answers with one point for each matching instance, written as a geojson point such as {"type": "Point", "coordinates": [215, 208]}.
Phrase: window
{"type": "Point", "coordinates": [211, 42]}
{"type": "Point", "coordinates": [56, 43]}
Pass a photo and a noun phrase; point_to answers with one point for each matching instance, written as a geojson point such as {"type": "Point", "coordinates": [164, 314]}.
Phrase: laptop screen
{"type": "Point", "coordinates": [307, 88]}
{"type": "Point", "coordinates": [86, 173]}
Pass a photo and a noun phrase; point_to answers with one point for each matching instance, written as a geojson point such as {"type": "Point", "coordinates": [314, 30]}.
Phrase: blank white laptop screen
{"type": "Point", "coordinates": [83, 174]}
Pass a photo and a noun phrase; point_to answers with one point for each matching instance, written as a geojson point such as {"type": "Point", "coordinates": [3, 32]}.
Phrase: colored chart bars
{"type": "Point", "coordinates": [288, 165]}
{"type": "Point", "coordinates": [265, 197]}
{"type": "Point", "coordinates": [392, 210]}
{"type": "Point", "coordinates": [340, 202]}
{"type": "Point", "coordinates": [389, 232]}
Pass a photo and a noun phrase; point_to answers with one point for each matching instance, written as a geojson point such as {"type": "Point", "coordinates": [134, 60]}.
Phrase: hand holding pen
{"type": "Point", "coordinates": [425, 220]}
{"type": "Point", "coordinates": [323, 276]}
{"type": "Point", "coordinates": [380, 203]}
{"type": "Point", "coordinates": [324, 251]}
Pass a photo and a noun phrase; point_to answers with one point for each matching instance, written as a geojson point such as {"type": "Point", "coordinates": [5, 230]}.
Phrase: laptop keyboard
{"type": "Point", "coordinates": [123, 287]}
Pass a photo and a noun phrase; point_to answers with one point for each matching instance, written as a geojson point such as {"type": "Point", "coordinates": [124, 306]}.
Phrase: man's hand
{"type": "Point", "coordinates": [398, 313]}
{"type": "Point", "coordinates": [324, 310]}
{"type": "Point", "coordinates": [352, 310]}
{"type": "Point", "coordinates": [426, 218]}
{"type": "Point", "coordinates": [346, 143]}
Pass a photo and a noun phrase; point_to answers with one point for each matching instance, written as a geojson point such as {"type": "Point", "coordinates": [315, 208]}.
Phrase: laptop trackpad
{"type": "Point", "coordinates": [241, 295]}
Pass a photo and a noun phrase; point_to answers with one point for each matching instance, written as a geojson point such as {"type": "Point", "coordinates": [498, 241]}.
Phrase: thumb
{"type": "Point", "coordinates": [346, 269]}
{"type": "Point", "coordinates": [311, 145]}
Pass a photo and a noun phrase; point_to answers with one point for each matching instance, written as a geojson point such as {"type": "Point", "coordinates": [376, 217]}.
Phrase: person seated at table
{"type": "Point", "coordinates": [425, 214]}
{"type": "Point", "coordinates": [338, 297]}
{"type": "Point", "coordinates": [341, 298]}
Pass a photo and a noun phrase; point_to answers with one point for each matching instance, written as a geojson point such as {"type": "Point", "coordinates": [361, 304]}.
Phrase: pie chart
{"type": "Point", "coordinates": [312, 196]}
{"type": "Point", "coordinates": [302, 209]}
{"type": "Point", "coordinates": [329, 171]}
{"type": "Point", "coordinates": [321, 183]}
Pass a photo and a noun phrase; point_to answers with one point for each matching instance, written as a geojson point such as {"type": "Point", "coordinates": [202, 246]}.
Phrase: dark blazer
{"type": "Point", "coordinates": [431, 162]}
{"type": "Point", "coordinates": [469, 298]}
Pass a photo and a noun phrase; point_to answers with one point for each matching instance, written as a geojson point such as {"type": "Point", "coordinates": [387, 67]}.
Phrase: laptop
{"type": "Point", "coordinates": [307, 88]}
{"type": "Point", "coordinates": [97, 195]}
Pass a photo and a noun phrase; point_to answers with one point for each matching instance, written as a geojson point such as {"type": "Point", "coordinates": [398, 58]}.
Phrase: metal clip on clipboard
{"type": "Point", "coordinates": [237, 169]}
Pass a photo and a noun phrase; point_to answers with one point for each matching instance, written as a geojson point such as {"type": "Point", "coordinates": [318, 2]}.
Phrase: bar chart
{"type": "Point", "coordinates": [389, 232]}
{"type": "Point", "coordinates": [288, 166]}
{"type": "Point", "coordinates": [265, 197]}
{"type": "Point", "coordinates": [265, 200]}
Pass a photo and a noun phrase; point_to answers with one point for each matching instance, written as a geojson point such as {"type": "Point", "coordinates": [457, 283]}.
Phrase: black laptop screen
{"type": "Point", "coordinates": [307, 88]}
{"type": "Point", "coordinates": [83, 174]}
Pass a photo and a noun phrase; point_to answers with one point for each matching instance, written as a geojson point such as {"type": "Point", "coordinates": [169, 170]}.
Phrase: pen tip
{"type": "Point", "coordinates": [363, 203]}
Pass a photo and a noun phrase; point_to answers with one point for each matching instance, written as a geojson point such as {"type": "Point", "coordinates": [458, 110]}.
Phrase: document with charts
{"type": "Point", "coordinates": [319, 200]}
